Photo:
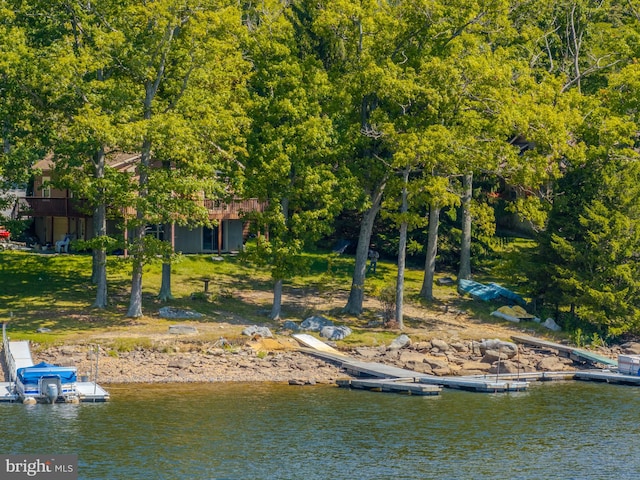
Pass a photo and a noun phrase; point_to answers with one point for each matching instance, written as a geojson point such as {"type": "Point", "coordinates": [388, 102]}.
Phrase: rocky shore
{"type": "Point", "coordinates": [277, 360]}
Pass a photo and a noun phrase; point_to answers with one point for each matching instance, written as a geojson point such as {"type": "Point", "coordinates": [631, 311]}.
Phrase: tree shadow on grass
{"type": "Point", "coordinates": [51, 291]}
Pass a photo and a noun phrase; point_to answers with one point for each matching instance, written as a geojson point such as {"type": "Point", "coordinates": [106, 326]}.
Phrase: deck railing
{"type": "Point", "coordinates": [56, 207]}
{"type": "Point", "coordinates": [8, 357]}
{"type": "Point", "coordinates": [71, 207]}
{"type": "Point", "coordinates": [234, 209]}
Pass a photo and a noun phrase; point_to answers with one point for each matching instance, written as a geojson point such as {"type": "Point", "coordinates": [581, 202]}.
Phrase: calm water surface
{"type": "Point", "coordinates": [257, 431]}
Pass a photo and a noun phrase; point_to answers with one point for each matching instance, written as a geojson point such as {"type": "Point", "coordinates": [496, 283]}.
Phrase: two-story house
{"type": "Point", "coordinates": [56, 213]}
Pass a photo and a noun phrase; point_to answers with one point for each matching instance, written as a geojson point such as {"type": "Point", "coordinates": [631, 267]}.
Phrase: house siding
{"type": "Point", "coordinates": [233, 235]}
{"type": "Point", "coordinates": [188, 240]}
{"type": "Point", "coordinates": [56, 213]}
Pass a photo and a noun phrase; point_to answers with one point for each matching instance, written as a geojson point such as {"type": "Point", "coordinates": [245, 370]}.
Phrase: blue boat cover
{"type": "Point", "coordinates": [31, 375]}
{"type": "Point", "coordinates": [489, 292]}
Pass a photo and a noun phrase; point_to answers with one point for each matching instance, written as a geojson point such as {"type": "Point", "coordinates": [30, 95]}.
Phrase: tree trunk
{"type": "Point", "coordinates": [432, 251]}
{"type": "Point", "coordinates": [277, 300]}
{"type": "Point", "coordinates": [402, 252]}
{"type": "Point", "coordinates": [356, 295]}
{"type": "Point", "coordinates": [135, 301]}
{"type": "Point", "coordinates": [165, 286]}
{"type": "Point", "coordinates": [99, 253]}
{"type": "Point", "coordinates": [277, 286]}
{"type": "Point", "coordinates": [465, 244]}
{"type": "Point", "coordinates": [100, 258]}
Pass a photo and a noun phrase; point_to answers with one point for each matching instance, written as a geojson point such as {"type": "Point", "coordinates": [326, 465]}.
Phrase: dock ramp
{"type": "Point", "coordinates": [573, 353]}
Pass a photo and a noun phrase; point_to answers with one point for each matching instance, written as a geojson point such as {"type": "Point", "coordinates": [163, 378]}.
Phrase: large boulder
{"type": "Point", "coordinates": [255, 330]}
{"type": "Point", "coordinates": [471, 368]}
{"type": "Point", "coordinates": [441, 371]}
{"type": "Point", "coordinates": [289, 325]}
{"type": "Point", "coordinates": [411, 357]}
{"type": "Point", "coordinates": [335, 333]}
{"type": "Point", "coordinates": [551, 364]}
{"type": "Point", "coordinates": [440, 345]}
{"type": "Point", "coordinates": [315, 323]}
{"type": "Point", "coordinates": [436, 364]}
{"type": "Point", "coordinates": [631, 348]}
{"type": "Point", "coordinates": [509, 349]}
{"type": "Point", "coordinates": [460, 347]}
{"type": "Point", "coordinates": [506, 366]}
{"type": "Point", "coordinates": [491, 356]}
{"type": "Point", "coordinates": [422, 346]}
{"type": "Point", "coordinates": [551, 325]}
{"type": "Point", "coordinates": [401, 342]}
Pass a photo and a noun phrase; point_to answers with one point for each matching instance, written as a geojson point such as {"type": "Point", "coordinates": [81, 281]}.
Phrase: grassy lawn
{"type": "Point", "coordinates": [55, 291]}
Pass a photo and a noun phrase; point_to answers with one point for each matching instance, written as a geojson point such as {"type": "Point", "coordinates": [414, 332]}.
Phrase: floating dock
{"type": "Point", "coordinates": [91, 392]}
{"type": "Point", "coordinates": [17, 354]}
{"type": "Point", "coordinates": [387, 378]}
{"type": "Point", "coordinates": [397, 385]}
{"type": "Point", "coordinates": [474, 384]}
{"type": "Point", "coordinates": [608, 377]}
{"type": "Point", "coordinates": [8, 392]}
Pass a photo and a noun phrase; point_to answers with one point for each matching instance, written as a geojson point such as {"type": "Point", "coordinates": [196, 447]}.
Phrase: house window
{"type": "Point", "coordinates": [46, 188]}
{"type": "Point", "coordinates": [157, 230]}
{"type": "Point", "coordinates": [209, 239]}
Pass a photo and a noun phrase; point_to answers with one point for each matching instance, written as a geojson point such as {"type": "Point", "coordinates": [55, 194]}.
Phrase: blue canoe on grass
{"type": "Point", "coordinates": [491, 291]}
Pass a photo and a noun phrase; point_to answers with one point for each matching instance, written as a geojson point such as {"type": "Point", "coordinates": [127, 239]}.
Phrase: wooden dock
{"type": "Point", "coordinates": [576, 354]}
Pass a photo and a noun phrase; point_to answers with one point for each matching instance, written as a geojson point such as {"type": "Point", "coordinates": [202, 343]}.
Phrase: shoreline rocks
{"type": "Point", "coordinates": [278, 361]}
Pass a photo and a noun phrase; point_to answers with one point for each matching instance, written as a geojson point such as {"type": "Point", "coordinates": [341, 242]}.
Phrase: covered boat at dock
{"type": "Point", "coordinates": [47, 383]}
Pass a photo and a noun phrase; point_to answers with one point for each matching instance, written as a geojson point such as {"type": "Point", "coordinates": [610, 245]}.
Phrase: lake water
{"type": "Point", "coordinates": [564, 430]}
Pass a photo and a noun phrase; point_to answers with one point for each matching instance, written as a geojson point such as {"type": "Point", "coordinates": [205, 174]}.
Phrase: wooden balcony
{"type": "Point", "coordinates": [234, 209]}
{"type": "Point", "coordinates": [56, 207]}
{"type": "Point", "coordinates": [72, 207]}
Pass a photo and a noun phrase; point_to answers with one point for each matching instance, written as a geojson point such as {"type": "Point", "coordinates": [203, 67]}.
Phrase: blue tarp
{"type": "Point", "coordinates": [31, 375]}
{"type": "Point", "coordinates": [488, 292]}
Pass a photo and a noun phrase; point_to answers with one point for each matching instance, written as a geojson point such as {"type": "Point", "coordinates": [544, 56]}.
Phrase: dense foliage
{"type": "Point", "coordinates": [512, 113]}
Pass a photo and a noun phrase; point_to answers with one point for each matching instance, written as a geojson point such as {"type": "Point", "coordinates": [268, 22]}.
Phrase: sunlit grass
{"type": "Point", "coordinates": [55, 292]}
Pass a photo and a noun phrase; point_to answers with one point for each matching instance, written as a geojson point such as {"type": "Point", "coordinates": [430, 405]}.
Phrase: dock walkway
{"type": "Point", "coordinates": [389, 376]}
{"type": "Point", "coordinates": [573, 353]}
{"type": "Point", "coordinates": [21, 357]}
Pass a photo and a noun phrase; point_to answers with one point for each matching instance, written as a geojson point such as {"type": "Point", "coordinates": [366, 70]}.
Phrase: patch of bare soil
{"type": "Point", "coordinates": [445, 323]}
